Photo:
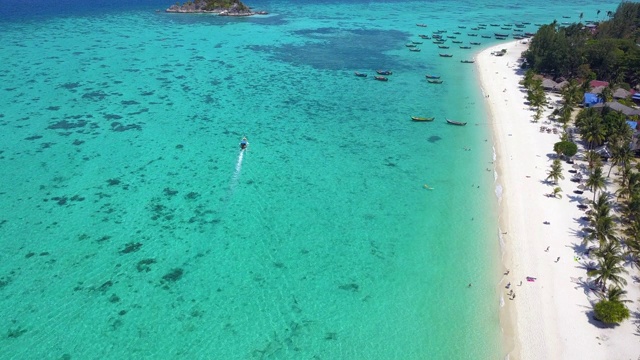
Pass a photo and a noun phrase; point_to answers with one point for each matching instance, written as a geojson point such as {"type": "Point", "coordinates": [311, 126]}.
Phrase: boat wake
{"type": "Point", "coordinates": [236, 175]}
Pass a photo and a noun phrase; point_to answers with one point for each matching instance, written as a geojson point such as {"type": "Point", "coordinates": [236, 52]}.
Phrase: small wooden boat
{"type": "Point", "coordinates": [414, 49]}
{"type": "Point", "coordinates": [453, 122]}
{"type": "Point", "coordinates": [416, 118]}
{"type": "Point", "coordinates": [410, 45]}
{"type": "Point", "coordinates": [472, 34]}
{"type": "Point", "coordinates": [360, 74]}
{"type": "Point", "coordinates": [416, 42]}
{"type": "Point", "coordinates": [457, 33]}
{"type": "Point", "coordinates": [446, 55]}
{"type": "Point", "coordinates": [427, 37]}
{"type": "Point", "coordinates": [451, 37]}
{"type": "Point", "coordinates": [475, 28]}
{"type": "Point", "coordinates": [500, 35]}
{"type": "Point", "coordinates": [467, 61]}
{"type": "Point", "coordinates": [482, 24]}
{"type": "Point", "coordinates": [384, 72]}
{"type": "Point", "coordinates": [461, 27]}
{"type": "Point", "coordinates": [474, 43]}
{"type": "Point", "coordinates": [566, 17]}
{"type": "Point", "coordinates": [433, 81]}
{"type": "Point", "coordinates": [494, 24]}
{"type": "Point", "coordinates": [438, 42]}
{"type": "Point", "coordinates": [442, 47]}
{"type": "Point", "coordinates": [457, 42]}
{"type": "Point", "coordinates": [486, 36]}
{"type": "Point", "coordinates": [432, 76]}
{"type": "Point", "coordinates": [421, 25]}
{"type": "Point", "coordinates": [381, 78]}
{"type": "Point", "coordinates": [526, 23]}
{"type": "Point", "coordinates": [529, 34]}
{"type": "Point", "coordinates": [465, 47]}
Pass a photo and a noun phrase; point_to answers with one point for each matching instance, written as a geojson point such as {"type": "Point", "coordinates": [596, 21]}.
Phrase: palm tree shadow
{"type": "Point", "coordinates": [580, 248]}
{"type": "Point", "coordinates": [575, 198]}
{"type": "Point", "coordinates": [588, 287]}
{"type": "Point", "coordinates": [578, 233]}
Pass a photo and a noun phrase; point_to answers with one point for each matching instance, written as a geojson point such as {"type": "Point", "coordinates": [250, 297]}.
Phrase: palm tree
{"type": "Point", "coordinates": [598, 14]}
{"type": "Point", "coordinates": [572, 93]}
{"type": "Point", "coordinates": [593, 159]}
{"type": "Point", "coordinates": [565, 113]}
{"type": "Point", "coordinates": [616, 293]}
{"type": "Point", "coordinates": [630, 186]}
{"type": "Point", "coordinates": [596, 181]}
{"type": "Point", "coordinates": [593, 131]}
{"type": "Point", "coordinates": [601, 223]}
{"type": "Point", "coordinates": [557, 192]}
{"type": "Point", "coordinates": [537, 97]}
{"type": "Point", "coordinates": [609, 269]}
{"type": "Point", "coordinates": [609, 14]}
{"type": "Point", "coordinates": [581, 16]}
{"type": "Point", "coordinates": [555, 172]}
{"type": "Point", "coordinates": [621, 153]}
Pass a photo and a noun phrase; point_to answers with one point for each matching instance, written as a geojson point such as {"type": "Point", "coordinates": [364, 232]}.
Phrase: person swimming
{"type": "Point", "coordinates": [244, 143]}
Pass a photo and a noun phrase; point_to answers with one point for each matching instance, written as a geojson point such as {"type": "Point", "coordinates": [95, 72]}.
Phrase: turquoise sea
{"type": "Point", "coordinates": [133, 227]}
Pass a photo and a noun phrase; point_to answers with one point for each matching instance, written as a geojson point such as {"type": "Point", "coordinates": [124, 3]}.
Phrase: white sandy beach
{"type": "Point", "coordinates": [551, 317]}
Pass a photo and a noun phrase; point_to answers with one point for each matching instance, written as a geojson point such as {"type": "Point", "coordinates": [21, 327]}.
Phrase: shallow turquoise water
{"type": "Point", "coordinates": [134, 228]}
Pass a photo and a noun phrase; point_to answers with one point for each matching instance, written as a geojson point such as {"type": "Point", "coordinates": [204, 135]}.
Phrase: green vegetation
{"type": "Point", "coordinates": [210, 5]}
{"type": "Point", "coordinates": [611, 312]}
{"type": "Point", "coordinates": [610, 53]}
{"type": "Point", "coordinates": [606, 51]}
{"type": "Point", "coordinates": [566, 148]}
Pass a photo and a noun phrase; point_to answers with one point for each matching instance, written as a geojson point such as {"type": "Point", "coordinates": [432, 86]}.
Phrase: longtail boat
{"type": "Point", "coordinates": [416, 118]}
{"type": "Point", "coordinates": [453, 122]}
{"type": "Point", "coordinates": [381, 78]}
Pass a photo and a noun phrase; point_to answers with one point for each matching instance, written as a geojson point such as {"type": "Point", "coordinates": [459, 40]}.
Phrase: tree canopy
{"type": "Point", "coordinates": [607, 53]}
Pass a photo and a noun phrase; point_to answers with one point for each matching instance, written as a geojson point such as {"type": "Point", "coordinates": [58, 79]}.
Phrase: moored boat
{"type": "Point", "coordinates": [434, 81]}
{"type": "Point", "coordinates": [486, 36]}
{"type": "Point", "coordinates": [384, 72]}
{"type": "Point", "coordinates": [360, 74]}
{"type": "Point", "coordinates": [442, 47]}
{"type": "Point", "coordinates": [474, 43]}
{"type": "Point", "coordinates": [465, 47]}
{"type": "Point", "coordinates": [381, 78]}
{"type": "Point", "coordinates": [457, 41]}
{"type": "Point", "coordinates": [417, 118]}
{"type": "Point", "coordinates": [416, 42]}
{"type": "Point", "coordinates": [467, 61]}
{"type": "Point", "coordinates": [446, 55]}
{"type": "Point", "coordinates": [453, 122]}
{"type": "Point", "coordinates": [472, 34]}
{"type": "Point", "coordinates": [432, 76]}
{"type": "Point", "coordinates": [410, 45]}
{"type": "Point", "coordinates": [414, 49]}
{"type": "Point", "coordinates": [421, 25]}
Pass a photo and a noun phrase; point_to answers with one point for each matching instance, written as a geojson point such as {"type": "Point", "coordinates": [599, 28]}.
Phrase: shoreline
{"type": "Point", "coordinates": [550, 317]}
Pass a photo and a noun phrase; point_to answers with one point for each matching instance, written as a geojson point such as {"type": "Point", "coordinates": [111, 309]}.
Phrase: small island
{"type": "Point", "coordinates": [220, 7]}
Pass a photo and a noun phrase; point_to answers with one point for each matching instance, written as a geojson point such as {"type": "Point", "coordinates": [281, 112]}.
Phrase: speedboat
{"type": "Point", "coordinates": [243, 143]}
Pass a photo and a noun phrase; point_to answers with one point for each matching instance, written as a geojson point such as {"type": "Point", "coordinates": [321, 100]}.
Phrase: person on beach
{"type": "Point", "coordinates": [558, 259]}
{"type": "Point", "coordinates": [547, 249]}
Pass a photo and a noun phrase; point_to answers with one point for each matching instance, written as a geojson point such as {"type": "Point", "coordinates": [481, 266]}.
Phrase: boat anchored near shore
{"type": "Point", "coordinates": [458, 123]}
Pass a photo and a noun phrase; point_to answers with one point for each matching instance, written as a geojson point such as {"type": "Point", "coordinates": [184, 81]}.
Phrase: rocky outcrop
{"type": "Point", "coordinates": [220, 7]}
